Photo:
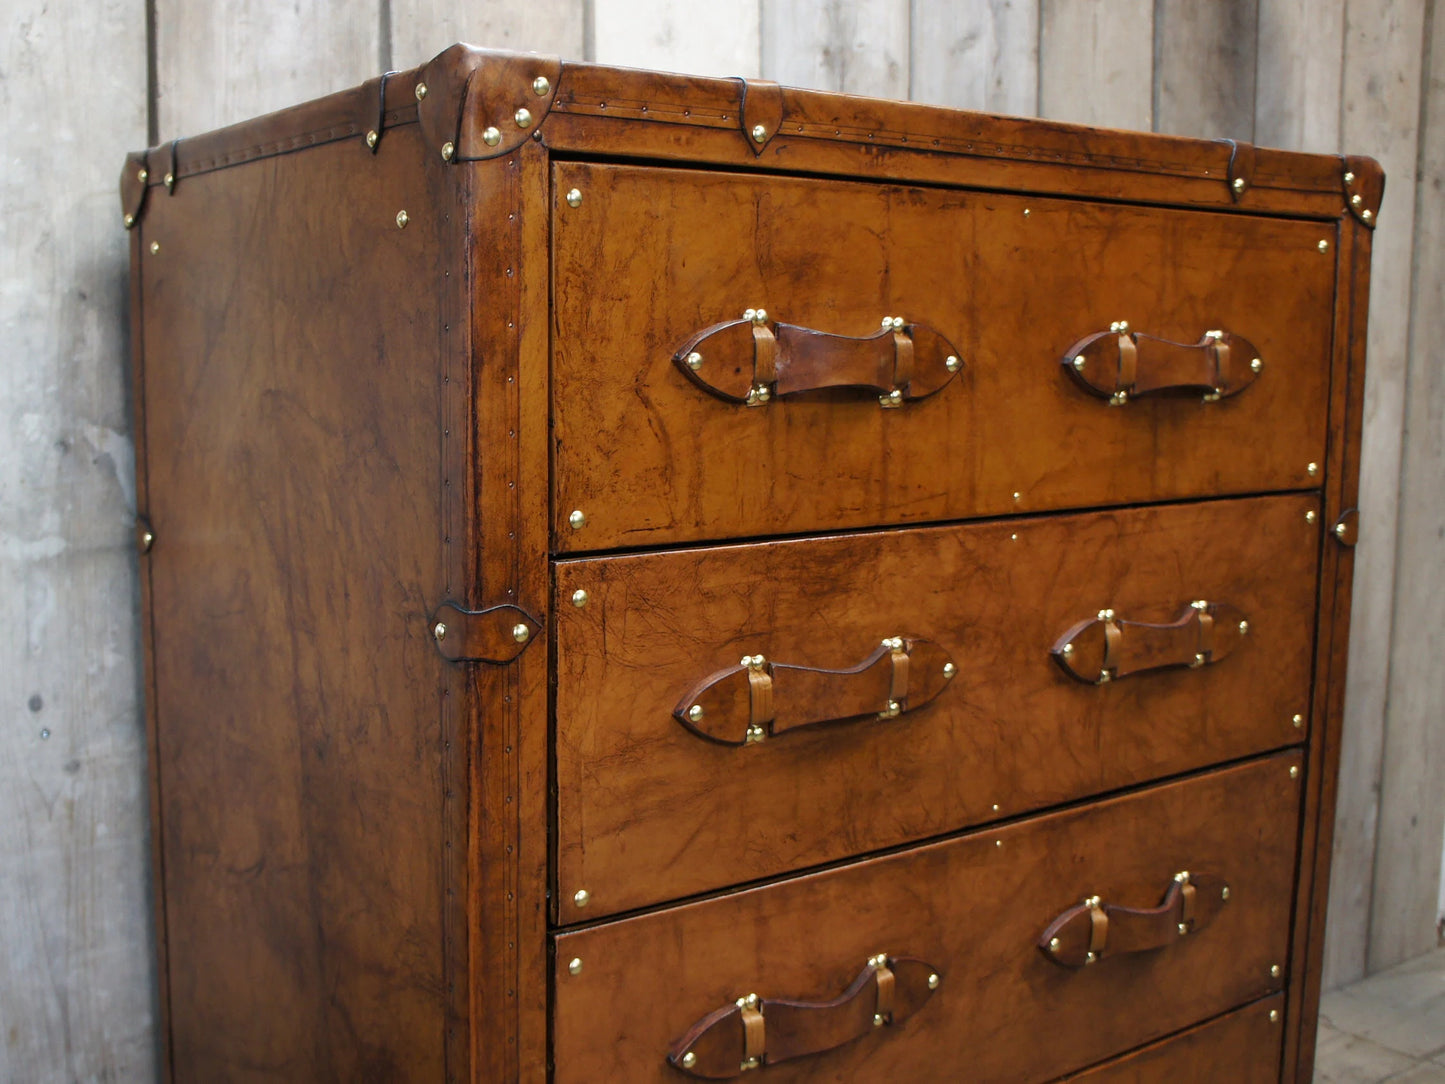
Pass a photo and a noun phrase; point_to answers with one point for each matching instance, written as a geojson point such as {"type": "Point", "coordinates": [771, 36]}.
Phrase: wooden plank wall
{"type": "Point", "coordinates": [1363, 75]}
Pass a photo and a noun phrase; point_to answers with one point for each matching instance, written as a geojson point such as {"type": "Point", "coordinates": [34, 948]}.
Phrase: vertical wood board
{"type": "Point", "coordinates": [715, 38]}
{"type": "Point", "coordinates": [1204, 68]}
{"type": "Point", "coordinates": [1297, 74]}
{"type": "Point", "coordinates": [420, 29]}
{"type": "Point", "coordinates": [1096, 62]}
{"type": "Point", "coordinates": [981, 56]}
{"type": "Point", "coordinates": [855, 46]}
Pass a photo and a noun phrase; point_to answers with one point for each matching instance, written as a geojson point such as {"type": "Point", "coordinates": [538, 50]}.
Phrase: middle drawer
{"type": "Point", "coordinates": [835, 745]}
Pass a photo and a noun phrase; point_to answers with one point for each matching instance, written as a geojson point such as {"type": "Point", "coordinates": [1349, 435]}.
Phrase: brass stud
{"type": "Point", "coordinates": [1091, 957]}
{"type": "Point", "coordinates": [1310, 516]}
{"type": "Point", "coordinates": [1349, 177]}
{"type": "Point", "coordinates": [689, 1060]}
{"type": "Point", "coordinates": [1293, 771]}
{"type": "Point", "coordinates": [998, 843]}
{"type": "Point", "coordinates": [1183, 929]}
{"type": "Point", "coordinates": [951, 363]}
{"type": "Point", "coordinates": [1312, 469]}
{"type": "Point", "coordinates": [521, 633]}
{"type": "Point", "coordinates": [1340, 530]}
{"type": "Point", "coordinates": [1273, 1016]}
{"type": "Point", "coordinates": [995, 807]}
{"type": "Point", "coordinates": [1182, 877]}
{"type": "Point", "coordinates": [892, 399]}
{"type": "Point", "coordinates": [1324, 246]}
{"type": "Point", "coordinates": [949, 669]}
{"type": "Point", "coordinates": [582, 897]}
{"type": "Point", "coordinates": [750, 1001]}
{"type": "Point", "coordinates": [575, 967]}
{"type": "Point", "coordinates": [170, 180]}
{"type": "Point", "coordinates": [143, 175]}
{"type": "Point", "coordinates": [448, 149]}
{"type": "Point", "coordinates": [754, 734]}
{"type": "Point", "coordinates": [1069, 648]}
{"type": "Point", "coordinates": [1106, 614]}
{"type": "Point", "coordinates": [760, 133]}
{"type": "Point", "coordinates": [1119, 398]}
{"type": "Point", "coordinates": [757, 316]}
{"type": "Point", "coordinates": [1105, 677]}
{"type": "Point", "coordinates": [1274, 971]}
{"type": "Point", "coordinates": [933, 981]}
{"type": "Point", "coordinates": [574, 197]}
{"type": "Point", "coordinates": [1079, 362]}
{"type": "Point", "coordinates": [420, 91]}
{"type": "Point", "coordinates": [1256, 365]}
{"type": "Point", "coordinates": [129, 221]}
{"type": "Point", "coordinates": [491, 136]}
{"type": "Point", "coordinates": [1237, 184]}
{"type": "Point", "coordinates": [439, 631]}
{"type": "Point", "coordinates": [1026, 212]}
{"type": "Point", "coordinates": [1017, 496]}
{"type": "Point", "coordinates": [694, 361]}
{"type": "Point", "coordinates": [402, 218]}
{"type": "Point", "coordinates": [577, 520]}
{"type": "Point", "coordinates": [892, 711]}
{"type": "Point", "coordinates": [1356, 200]}
{"type": "Point", "coordinates": [523, 117]}
{"type": "Point", "coordinates": [372, 138]}
{"type": "Point", "coordinates": [147, 540]}
{"type": "Point", "coordinates": [694, 713]}
{"type": "Point", "coordinates": [1053, 944]}
{"type": "Point", "coordinates": [155, 247]}
{"type": "Point", "coordinates": [1224, 893]}
{"type": "Point", "coordinates": [579, 598]}
{"type": "Point", "coordinates": [1367, 214]}
{"type": "Point", "coordinates": [877, 1020]}
{"type": "Point", "coordinates": [1298, 721]}
{"type": "Point", "coordinates": [1199, 660]}
{"type": "Point", "coordinates": [540, 86]}
{"type": "Point", "coordinates": [1244, 628]}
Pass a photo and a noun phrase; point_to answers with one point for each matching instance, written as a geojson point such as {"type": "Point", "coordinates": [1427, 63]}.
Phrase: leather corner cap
{"type": "Point", "coordinates": [134, 179]}
{"type": "Point", "coordinates": [482, 103]}
{"type": "Point", "coordinates": [1363, 181]}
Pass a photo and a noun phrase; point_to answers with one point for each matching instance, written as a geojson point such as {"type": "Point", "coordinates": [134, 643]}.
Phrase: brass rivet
{"type": "Point", "coordinates": [170, 180]}
{"type": "Point", "coordinates": [1018, 496]}
{"type": "Point", "coordinates": [877, 1020]}
{"type": "Point", "coordinates": [1256, 365]}
{"type": "Point", "coordinates": [933, 981]}
{"type": "Point", "coordinates": [1324, 246]}
{"type": "Point", "coordinates": [523, 117]}
{"type": "Point", "coordinates": [1091, 957]}
{"type": "Point", "coordinates": [759, 133]}
{"type": "Point", "coordinates": [420, 91]}
{"type": "Point", "coordinates": [1313, 469]}
{"type": "Point", "coordinates": [995, 807]}
{"type": "Point", "coordinates": [1356, 200]}
{"type": "Point", "coordinates": [1183, 929]}
{"type": "Point", "coordinates": [949, 669]}
{"type": "Point", "coordinates": [1238, 184]}
{"type": "Point", "coordinates": [147, 540]}
{"type": "Point", "coordinates": [1079, 362]}
{"type": "Point", "coordinates": [1310, 516]}
{"type": "Point", "coordinates": [1244, 628]}
{"type": "Point", "coordinates": [1293, 772]}
{"type": "Point", "coordinates": [579, 598]}
{"type": "Point", "coordinates": [540, 86]}
{"type": "Point", "coordinates": [1340, 530]}
{"type": "Point", "coordinates": [998, 843]}
{"type": "Point", "coordinates": [1224, 893]}
{"type": "Point", "coordinates": [581, 897]}
{"type": "Point", "coordinates": [689, 1060]}
{"type": "Point", "coordinates": [155, 247]}
{"type": "Point", "coordinates": [578, 519]}
{"type": "Point", "coordinates": [1053, 944]}
{"type": "Point", "coordinates": [448, 149]}
{"type": "Point", "coordinates": [951, 363]}
{"type": "Point", "coordinates": [1106, 614]}
{"type": "Point", "coordinates": [1299, 721]}
{"type": "Point", "coordinates": [575, 967]}
{"type": "Point", "coordinates": [694, 361]}
{"type": "Point", "coordinates": [1105, 677]}
{"type": "Point", "coordinates": [402, 218]}
{"type": "Point", "coordinates": [1274, 971]}
{"type": "Point", "coordinates": [1349, 177]}
{"type": "Point", "coordinates": [1273, 1016]}
{"type": "Point", "coordinates": [574, 197]}
{"type": "Point", "coordinates": [695, 713]}
{"type": "Point", "coordinates": [1026, 212]}
{"type": "Point", "coordinates": [1367, 214]}
{"type": "Point", "coordinates": [143, 175]}
{"type": "Point", "coordinates": [371, 138]}
{"type": "Point", "coordinates": [491, 136]}
{"type": "Point", "coordinates": [129, 221]}
{"type": "Point", "coordinates": [1068, 649]}
{"type": "Point", "coordinates": [439, 631]}
{"type": "Point", "coordinates": [521, 633]}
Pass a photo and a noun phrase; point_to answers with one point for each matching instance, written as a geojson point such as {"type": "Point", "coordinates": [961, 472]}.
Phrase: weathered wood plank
{"type": "Point", "coordinates": [857, 46]}
{"type": "Point", "coordinates": [1297, 85]}
{"type": "Point", "coordinates": [76, 984]}
{"type": "Point", "coordinates": [1096, 62]}
{"type": "Point", "coordinates": [715, 38]}
{"type": "Point", "coordinates": [1380, 83]}
{"type": "Point", "coordinates": [420, 29]}
{"type": "Point", "coordinates": [976, 56]}
{"type": "Point", "coordinates": [1204, 70]}
{"type": "Point", "coordinates": [218, 64]}
{"type": "Point", "coordinates": [1412, 786]}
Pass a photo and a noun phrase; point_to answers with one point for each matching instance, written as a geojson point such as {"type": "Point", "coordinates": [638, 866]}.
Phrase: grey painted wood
{"type": "Point", "coordinates": [1380, 112]}
{"type": "Point", "coordinates": [1412, 787]}
{"type": "Point", "coordinates": [1096, 62]}
{"type": "Point", "coordinates": [221, 63]}
{"type": "Point", "coordinates": [857, 46]}
{"type": "Point", "coordinates": [981, 55]}
{"type": "Point", "coordinates": [76, 987]}
{"type": "Point", "coordinates": [1297, 74]}
{"type": "Point", "coordinates": [420, 29]}
{"type": "Point", "coordinates": [1204, 68]}
{"type": "Point", "coordinates": [719, 37]}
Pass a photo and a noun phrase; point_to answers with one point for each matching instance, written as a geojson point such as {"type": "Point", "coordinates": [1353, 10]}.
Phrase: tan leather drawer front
{"type": "Point", "coordinates": [972, 909]}
{"type": "Point", "coordinates": [650, 257]}
{"type": "Point", "coordinates": [1241, 1047]}
{"type": "Point", "coordinates": [648, 810]}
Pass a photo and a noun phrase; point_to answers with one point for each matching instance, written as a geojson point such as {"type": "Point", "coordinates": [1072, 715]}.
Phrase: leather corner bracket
{"type": "Point", "coordinates": [134, 181]}
{"type": "Point", "coordinates": [1363, 182]}
{"type": "Point", "coordinates": [761, 114]}
{"type": "Point", "coordinates": [481, 103]}
{"type": "Point", "coordinates": [496, 635]}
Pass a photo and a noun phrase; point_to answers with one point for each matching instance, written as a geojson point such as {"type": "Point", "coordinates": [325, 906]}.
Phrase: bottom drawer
{"type": "Point", "coordinates": [949, 949]}
{"type": "Point", "coordinates": [1242, 1047]}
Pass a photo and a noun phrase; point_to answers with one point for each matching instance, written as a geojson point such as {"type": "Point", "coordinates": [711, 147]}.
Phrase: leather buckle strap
{"type": "Point", "coordinates": [1094, 929]}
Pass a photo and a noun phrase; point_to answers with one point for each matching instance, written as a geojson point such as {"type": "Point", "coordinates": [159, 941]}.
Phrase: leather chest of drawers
{"type": "Point", "coordinates": [651, 578]}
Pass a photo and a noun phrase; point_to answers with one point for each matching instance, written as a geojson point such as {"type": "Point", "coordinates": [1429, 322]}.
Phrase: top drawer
{"type": "Point", "coordinates": [651, 257]}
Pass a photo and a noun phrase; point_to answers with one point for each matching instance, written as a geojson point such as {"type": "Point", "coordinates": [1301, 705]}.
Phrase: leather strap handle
{"type": "Point", "coordinates": [754, 1032]}
{"type": "Point", "coordinates": [745, 703]}
{"type": "Point", "coordinates": [755, 361]}
{"type": "Point", "coordinates": [1099, 651]}
{"type": "Point", "coordinates": [1094, 930]}
{"type": "Point", "coordinates": [1119, 365]}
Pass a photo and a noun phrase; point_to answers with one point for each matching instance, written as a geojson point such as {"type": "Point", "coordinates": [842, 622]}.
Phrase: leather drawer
{"type": "Point", "coordinates": [1242, 1047]}
{"type": "Point", "coordinates": [648, 810]}
{"type": "Point", "coordinates": [650, 257]}
{"type": "Point", "coordinates": [973, 910]}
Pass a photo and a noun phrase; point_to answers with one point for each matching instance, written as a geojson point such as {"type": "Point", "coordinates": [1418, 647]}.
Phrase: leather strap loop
{"type": "Point", "coordinates": [902, 359]}
{"type": "Point", "coordinates": [1128, 363]}
{"type": "Point", "coordinates": [884, 1010]}
{"type": "Point", "coordinates": [1113, 636]}
{"type": "Point", "coordinates": [1206, 635]}
{"type": "Point", "coordinates": [1098, 930]}
{"type": "Point", "coordinates": [898, 688]}
{"type": "Point", "coordinates": [765, 356]}
{"type": "Point", "coordinates": [755, 1037]}
{"type": "Point", "coordinates": [760, 697]}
